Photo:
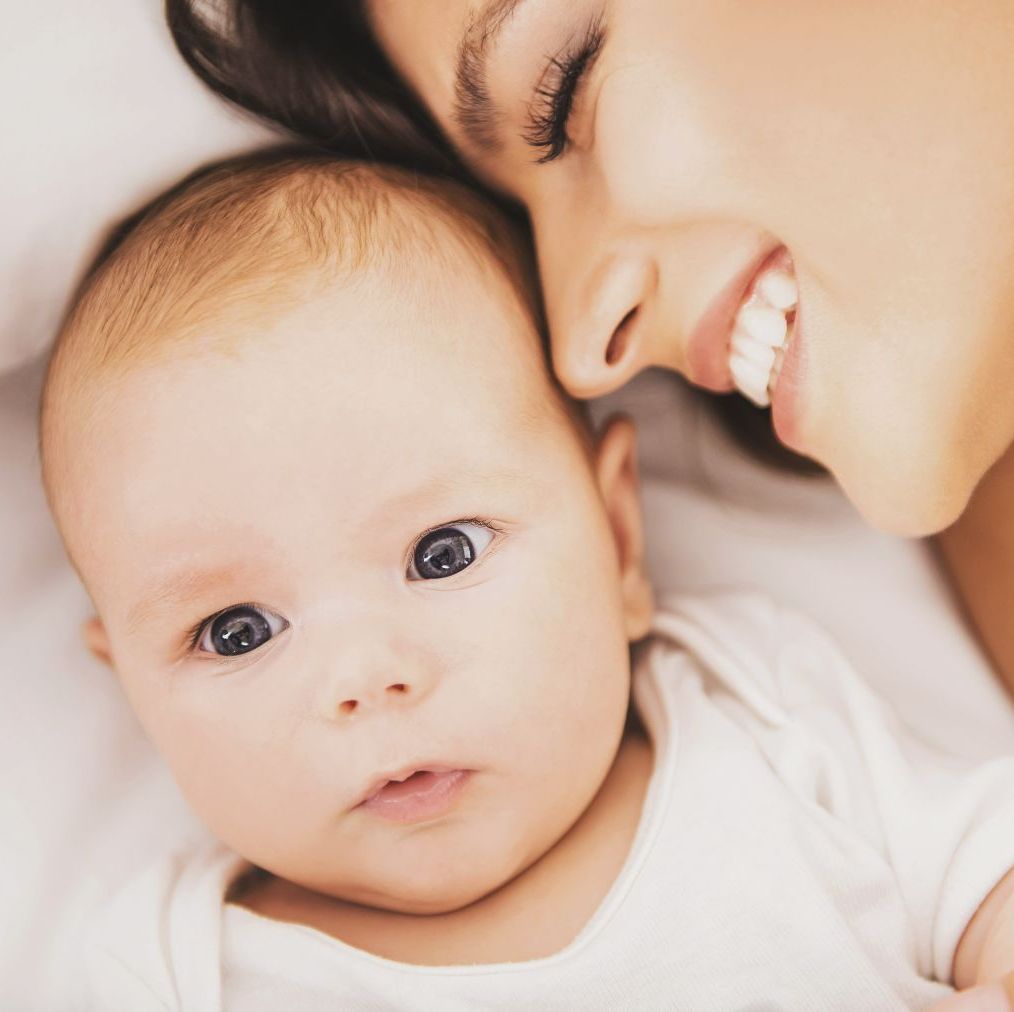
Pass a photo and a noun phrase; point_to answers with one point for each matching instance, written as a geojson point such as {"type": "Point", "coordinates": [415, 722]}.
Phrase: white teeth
{"type": "Point", "coordinates": [779, 289]}
{"type": "Point", "coordinates": [762, 355]}
{"type": "Point", "coordinates": [751, 380]}
{"type": "Point", "coordinates": [764, 324]}
{"type": "Point", "coordinates": [761, 334]}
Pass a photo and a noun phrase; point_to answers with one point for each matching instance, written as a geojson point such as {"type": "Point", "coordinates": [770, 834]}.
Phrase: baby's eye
{"type": "Point", "coordinates": [240, 630]}
{"type": "Point", "coordinates": [448, 550]}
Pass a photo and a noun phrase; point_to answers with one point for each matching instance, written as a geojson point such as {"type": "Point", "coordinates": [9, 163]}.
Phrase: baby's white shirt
{"type": "Point", "coordinates": [798, 849]}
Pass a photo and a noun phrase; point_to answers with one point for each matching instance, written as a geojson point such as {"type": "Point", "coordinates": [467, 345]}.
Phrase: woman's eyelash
{"type": "Point", "coordinates": [554, 96]}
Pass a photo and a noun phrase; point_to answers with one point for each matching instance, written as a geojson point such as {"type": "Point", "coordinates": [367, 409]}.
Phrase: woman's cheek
{"type": "Point", "coordinates": [658, 159]}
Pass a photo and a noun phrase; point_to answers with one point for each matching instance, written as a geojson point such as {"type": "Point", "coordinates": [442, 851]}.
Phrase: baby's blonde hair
{"type": "Point", "coordinates": [248, 237]}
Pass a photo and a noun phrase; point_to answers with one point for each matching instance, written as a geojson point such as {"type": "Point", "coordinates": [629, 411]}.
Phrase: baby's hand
{"type": "Point", "coordinates": [996, 997]}
{"type": "Point", "coordinates": [984, 959]}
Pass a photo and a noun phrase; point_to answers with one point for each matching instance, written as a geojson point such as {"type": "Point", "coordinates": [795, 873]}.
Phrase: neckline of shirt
{"type": "Point", "coordinates": [653, 703]}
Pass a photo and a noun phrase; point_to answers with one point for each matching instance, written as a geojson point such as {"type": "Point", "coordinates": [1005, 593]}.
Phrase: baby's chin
{"type": "Point", "coordinates": [424, 890]}
{"type": "Point", "coordinates": [426, 898]}
{"type": "Point", "coordinates": [418, 880]}
{"type": "Point", "coordinates": [436, 869]}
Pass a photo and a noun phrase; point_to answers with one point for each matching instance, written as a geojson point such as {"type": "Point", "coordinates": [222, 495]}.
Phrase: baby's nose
{"type": "Point", "coordinates": [373, 675]}
{"type": "Point", "coordinates": [394, 694]}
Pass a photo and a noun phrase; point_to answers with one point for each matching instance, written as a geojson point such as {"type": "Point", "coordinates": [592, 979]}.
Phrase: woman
{"type": "Point", "coordinates": [671, 155]}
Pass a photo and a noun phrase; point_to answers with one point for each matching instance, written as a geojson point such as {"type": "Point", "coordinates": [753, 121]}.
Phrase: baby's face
{"type": "Point", "coordinates": [357, 547]}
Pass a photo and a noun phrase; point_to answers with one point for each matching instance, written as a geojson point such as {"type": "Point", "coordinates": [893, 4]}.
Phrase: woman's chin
{"type": "Point", "coordinates": [909, 502]}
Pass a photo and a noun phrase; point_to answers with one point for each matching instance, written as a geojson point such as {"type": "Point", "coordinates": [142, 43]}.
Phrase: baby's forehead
{"type": "Point", "coordinates": [254, 237]}
{"type": "Point", "coordinates": [355, 416]}
{"type": "Point", "coordinates": [420, 331]}
{"type": "Point", "coordinates": [249, 233]}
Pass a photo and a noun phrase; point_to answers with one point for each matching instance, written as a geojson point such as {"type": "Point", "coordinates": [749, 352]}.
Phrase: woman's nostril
{"type": "Point", "coordinates": [621, 338]}
{"type": "Point", "coordinates": [347, 706]}
{"type": "Point", "coordinates": [400, 688]}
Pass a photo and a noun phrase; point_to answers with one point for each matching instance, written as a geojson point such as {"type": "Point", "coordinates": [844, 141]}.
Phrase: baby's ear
{"type": "Point", "coordinates": [97, 640]}
{"type": "Point", "coordinates": [616, 471]}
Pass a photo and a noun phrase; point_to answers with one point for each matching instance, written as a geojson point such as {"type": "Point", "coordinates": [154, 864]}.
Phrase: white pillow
{"type": "Point", "coordinates": [99, 114]}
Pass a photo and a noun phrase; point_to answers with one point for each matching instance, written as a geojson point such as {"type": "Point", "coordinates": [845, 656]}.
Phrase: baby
{"type": "Point", "coordinates": [371, 586]}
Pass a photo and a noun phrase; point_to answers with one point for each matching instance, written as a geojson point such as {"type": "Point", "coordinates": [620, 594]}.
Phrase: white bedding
{"type": "Point", "coordinates": [101, 116]}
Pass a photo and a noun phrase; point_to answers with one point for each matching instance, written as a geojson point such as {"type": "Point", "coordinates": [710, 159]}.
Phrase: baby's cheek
{"type": "Point", "coordinates": [236, 772]}
{"type": "Point", "coordinates": [569, 653]}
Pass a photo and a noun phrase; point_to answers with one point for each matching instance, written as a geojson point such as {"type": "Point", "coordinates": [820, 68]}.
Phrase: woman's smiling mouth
{"type": "Point", "coordinates": [736, 341]}
{"type": "Point", "coordinates": [748, 340]}
{"type": "Point", "coordinates": [763, 330]}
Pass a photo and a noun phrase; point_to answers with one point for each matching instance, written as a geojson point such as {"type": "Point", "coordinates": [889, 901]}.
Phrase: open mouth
{"type": "Point", "coordinates": [763, 329]}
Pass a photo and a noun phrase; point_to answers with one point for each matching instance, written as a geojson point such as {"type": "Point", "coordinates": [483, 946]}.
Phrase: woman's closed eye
{"type": "Point", "coordinates": [556, 94]}
{"type": "Point", "coordinates": [238, 630]}
{"type": "Point", "coordinates": [446, 551]}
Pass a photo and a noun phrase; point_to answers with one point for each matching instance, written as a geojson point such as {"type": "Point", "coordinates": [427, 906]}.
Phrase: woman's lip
{"type": "Point", "coordinates": [787, 393]}
{"type": "Point", "coordinates": [708, 347]}
{"type": "Point", "coordinates": [421, 792]}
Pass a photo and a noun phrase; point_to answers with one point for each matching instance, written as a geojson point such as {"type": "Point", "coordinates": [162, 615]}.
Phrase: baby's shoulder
{"type": "Point", "coordinates": [743, 643]}
{"type": "Point", "coordinates": [156, 926]}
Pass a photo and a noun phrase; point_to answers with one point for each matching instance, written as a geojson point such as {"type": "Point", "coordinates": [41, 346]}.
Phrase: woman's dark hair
{"type": "Point", "coordinates": [314, 68]}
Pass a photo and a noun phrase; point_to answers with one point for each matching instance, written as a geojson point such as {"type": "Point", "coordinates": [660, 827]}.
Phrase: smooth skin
{"type": "Point", "coordinates": [502, 669]}
{"type": "Point", "coordinates": [516, 668]}
{"type": "Point", "coordinates": [874, 139]}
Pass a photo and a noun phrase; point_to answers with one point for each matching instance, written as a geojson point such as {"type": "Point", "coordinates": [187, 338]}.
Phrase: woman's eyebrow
{"type": "Point", "coordinates": [474, 111]}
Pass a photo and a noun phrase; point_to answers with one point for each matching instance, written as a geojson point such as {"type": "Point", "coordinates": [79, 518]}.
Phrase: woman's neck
{"type": "Point", "coordinates": [978, 551]}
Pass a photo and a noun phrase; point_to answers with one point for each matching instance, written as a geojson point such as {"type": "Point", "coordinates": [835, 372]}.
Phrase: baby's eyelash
{"type": "Point", "coordinates": [495, 530]}
{"type": "Point", "coordinates": [193, 635]}
{"type": "Point", "coordinates": [553, 102]}
{"type": "Point", "coordinates": [478, 521]}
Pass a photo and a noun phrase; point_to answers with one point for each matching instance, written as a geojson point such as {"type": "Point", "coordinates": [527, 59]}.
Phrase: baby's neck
{"type": "Point", "coordinates": [566, 886]}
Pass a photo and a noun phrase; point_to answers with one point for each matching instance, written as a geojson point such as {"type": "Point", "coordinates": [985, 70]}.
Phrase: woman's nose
{"type": "Point", "coordinates": [599, 325]}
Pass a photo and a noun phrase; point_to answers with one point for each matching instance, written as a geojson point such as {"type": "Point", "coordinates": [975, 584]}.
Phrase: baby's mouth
{"type": "Point", "coordinates": [763, 329]}
{"type": "Point", "coordinates": [415, 794]}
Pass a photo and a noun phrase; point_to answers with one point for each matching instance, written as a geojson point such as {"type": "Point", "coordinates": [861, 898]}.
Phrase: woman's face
{"type": "Point", "coordinates": [667, 149]}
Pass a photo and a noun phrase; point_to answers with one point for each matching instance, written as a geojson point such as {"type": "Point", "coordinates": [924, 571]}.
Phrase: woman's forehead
{"type": "Point", "coordinates": [422, 38]}
{"type": "Point", "coordinates": [461, 57]}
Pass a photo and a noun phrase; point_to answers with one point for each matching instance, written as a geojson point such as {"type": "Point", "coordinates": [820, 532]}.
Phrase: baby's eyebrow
{"type": "Point", "coordinates": [183, 583]}
{"type": "Point", "coordinates": [180, 587]}
{"type": "Point", "coordinates": [445, 488]}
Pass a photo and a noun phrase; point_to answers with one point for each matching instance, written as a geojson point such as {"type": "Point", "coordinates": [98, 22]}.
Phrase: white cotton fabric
{"type": "Point", "coordinates": [798, 849]}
